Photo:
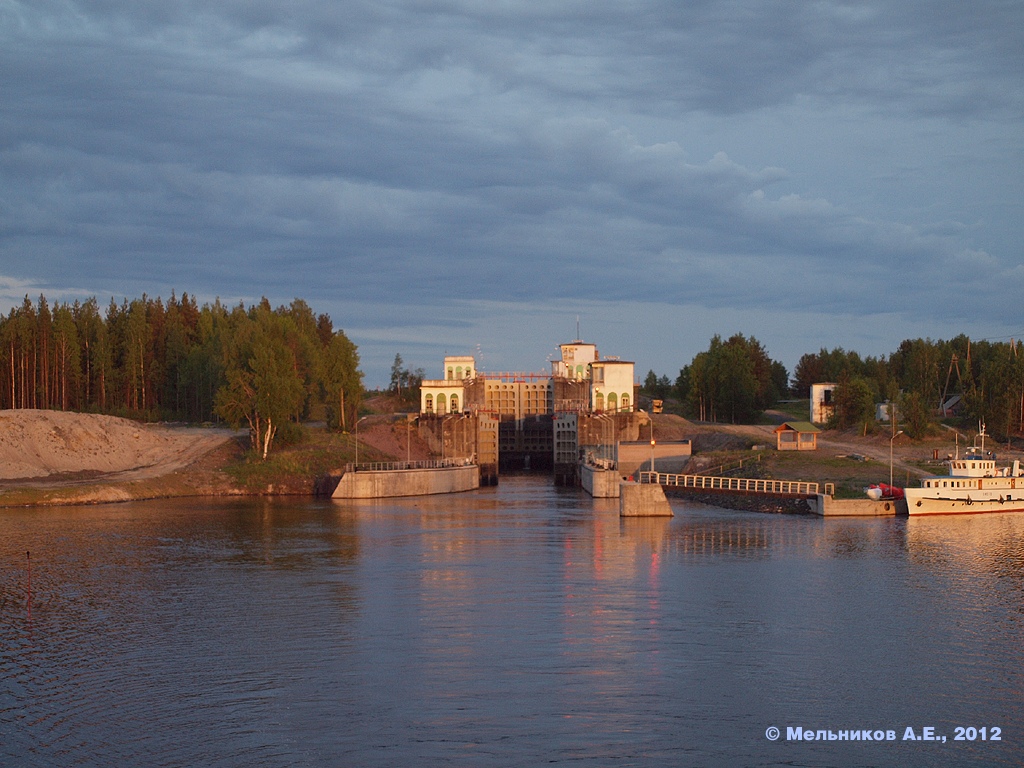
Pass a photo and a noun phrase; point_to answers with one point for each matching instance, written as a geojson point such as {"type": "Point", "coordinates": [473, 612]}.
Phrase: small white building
{"type": "Point", "coordinates": [448, 394]}
{"type": "Point", "coordinates": [822, 402]}
{"type": "Point", "coordinates": [611, 386]}
{"type": "Point", "coordinates": [885, 411]}
{"type": "Point", "coordinates": [459, 367]}
{"type": "Point", "coordinates": [576, 360]}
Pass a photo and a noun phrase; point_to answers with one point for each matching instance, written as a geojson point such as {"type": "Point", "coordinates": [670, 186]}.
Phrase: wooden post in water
{"type": "Point", "coordinates": [28, 557]}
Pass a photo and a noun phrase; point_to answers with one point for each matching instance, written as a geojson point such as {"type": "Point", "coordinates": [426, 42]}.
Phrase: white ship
{"type": "Point", "coordinates": [974, 485]}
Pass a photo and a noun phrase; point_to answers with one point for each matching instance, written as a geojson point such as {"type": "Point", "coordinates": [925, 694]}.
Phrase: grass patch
{"type": "Point", "coordinates": [799, 410]}
{"type": "Point", "coordinates": [314, 452]}
{"type": "Point", "coordinates": [849, 475]}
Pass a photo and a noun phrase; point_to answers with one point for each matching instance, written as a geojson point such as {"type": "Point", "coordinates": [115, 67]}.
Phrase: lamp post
{"type": "Point", "coordinates": [652, 445]}
{"type": "Point", "coordinates": [604, 419]}
{"type": "Point", "coordinates": [890, 455]}
{"type": "Point", "coordinates": [356, 466]}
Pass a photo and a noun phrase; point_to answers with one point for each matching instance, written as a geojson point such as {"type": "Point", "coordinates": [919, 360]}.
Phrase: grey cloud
{"type": "Point", "coordinates": [435, 152]}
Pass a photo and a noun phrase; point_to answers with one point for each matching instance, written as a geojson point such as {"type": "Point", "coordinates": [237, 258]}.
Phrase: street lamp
{"type": "Point", "coordinates": [409, 419]}
{"type": "Point", "coordinates": [356, 466]}
{"type": "Point", "coordinates": [605, 446]}
{"type": "Point", "coordinates": [890, 456]}
{"type": "Point", "coordinates": [652, 444]}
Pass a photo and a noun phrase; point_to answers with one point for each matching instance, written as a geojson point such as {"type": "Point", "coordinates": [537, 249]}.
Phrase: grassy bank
{"type": "Point", "coordinates": [294, 469]}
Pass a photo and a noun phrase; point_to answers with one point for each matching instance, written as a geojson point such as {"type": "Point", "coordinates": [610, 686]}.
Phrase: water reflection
{"type": "Point", "coordinates": [518, 625]}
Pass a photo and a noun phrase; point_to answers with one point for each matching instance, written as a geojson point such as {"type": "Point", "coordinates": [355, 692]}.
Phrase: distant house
{"type": "Point", "coordinates": [884, 412]}
{"type": "Point", "coordinates": [822, 402]}
{"type": "Point", "coordinates": [954, 406]}
{"type": "Point", "coordinates": [796, 436]}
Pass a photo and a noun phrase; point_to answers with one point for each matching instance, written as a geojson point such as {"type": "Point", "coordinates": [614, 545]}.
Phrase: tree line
{"type": "Point", "coordinates": [174, 360]}
{"type": "Point", "coordinates": [735, 380]}
{"type": "Point", "coordinates": [983, 381]}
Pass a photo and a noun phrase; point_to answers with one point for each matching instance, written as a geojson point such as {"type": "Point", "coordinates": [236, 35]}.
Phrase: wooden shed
{"type": "Point", "coordinates": [796, 436]}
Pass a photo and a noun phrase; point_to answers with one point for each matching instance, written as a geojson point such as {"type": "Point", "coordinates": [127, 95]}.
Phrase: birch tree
{"type": "Point", "coordinates": [263, 388]}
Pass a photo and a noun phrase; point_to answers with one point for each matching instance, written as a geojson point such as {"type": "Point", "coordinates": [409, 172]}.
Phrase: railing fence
{"type": "Point", "coordinates": [391, 466]}
{"type": "Point", "coordinates": [751, 485]}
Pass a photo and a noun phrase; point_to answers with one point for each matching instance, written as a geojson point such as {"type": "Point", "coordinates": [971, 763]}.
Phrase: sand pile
{"type": "Point", "coordinates": [36, 444]}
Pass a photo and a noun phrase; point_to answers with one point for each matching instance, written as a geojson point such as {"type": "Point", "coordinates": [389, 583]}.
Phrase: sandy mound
{"type": "Point", "coordinates": [395, 442]}
{"type": "Point", "coordinates": [36, 444]}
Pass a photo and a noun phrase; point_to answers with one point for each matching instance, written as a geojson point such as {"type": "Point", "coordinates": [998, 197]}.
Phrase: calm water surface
{"type": "Point", "coordinates": [518, 626]}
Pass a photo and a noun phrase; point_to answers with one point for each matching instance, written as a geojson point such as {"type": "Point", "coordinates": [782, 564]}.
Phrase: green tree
{"type": "Point", "coordinates": [399, 375]}
{"type": "Point", "coordinates": [94, 356]}
{"type": "Point", "coordinates": [406, 383]}
{"type": "Point", "coordinates": [650, 386]}
{"type": "Point", "coordinates": [733, 380]}
{"type": "Point", "coordinates": [682, 385]}
{"type": "Point", "coordinates": [263, 388]}
{"type": "Point", "coordinates": [341, 378]}
{"type": "Point", "coordinates": [914, 414]}
{"type": "Point", "coordinates": [854, 403]}
{"type": "Point", "coordinates": [66, 356]}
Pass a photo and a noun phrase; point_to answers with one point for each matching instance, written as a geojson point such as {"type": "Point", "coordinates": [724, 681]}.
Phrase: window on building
{"type": "Point", "coordinates": [429, 404]}
{"type": "Point", "coordinates": [451, 373]}
{"type": "Point", "coordinates": [455, 403]}
{"type": "Point", "coordinates": [441, 405]}
{"type": "Point", "coordinates": [625, 401]}
{"type": "Point", "coordinates": [599, 401]}
{"type": "Point", "coordinates": [613, 402]}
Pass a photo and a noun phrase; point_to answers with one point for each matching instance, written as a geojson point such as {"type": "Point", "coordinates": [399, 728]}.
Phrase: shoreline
{"type": "Point", "coordinates": [55, 458]}
{"type": "Point", "coordinates": [103, 460]}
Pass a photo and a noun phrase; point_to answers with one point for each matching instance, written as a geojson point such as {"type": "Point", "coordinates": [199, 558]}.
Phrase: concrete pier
{"type": "Point", "coordinates": [827, 506]}
{"type": "Point", "coordinates": [386, 483]}
{"type": "Point", "coordinates": [643, 500]}
{"type": "Point", "coordinates": [599, 482]}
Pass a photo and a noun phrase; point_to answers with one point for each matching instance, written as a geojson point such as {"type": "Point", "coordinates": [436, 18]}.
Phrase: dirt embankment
{"type": "Point", "coordinates": [54, 457]}
{"type": "Point", "coordinates": [60, 457]}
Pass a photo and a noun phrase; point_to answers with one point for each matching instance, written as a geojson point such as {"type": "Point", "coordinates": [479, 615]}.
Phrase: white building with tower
{"type": "Point", "coordinates": [579, 380]}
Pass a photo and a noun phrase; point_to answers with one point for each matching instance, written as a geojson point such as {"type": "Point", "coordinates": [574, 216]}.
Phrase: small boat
{"type": "Point", "coordinates": [973, 485]}
{"type": "Point", "coordinates": [881, 491]}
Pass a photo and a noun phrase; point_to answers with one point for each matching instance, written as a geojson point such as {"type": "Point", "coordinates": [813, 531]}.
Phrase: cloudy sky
{"type": "Point", "coordinates": [470, 177]}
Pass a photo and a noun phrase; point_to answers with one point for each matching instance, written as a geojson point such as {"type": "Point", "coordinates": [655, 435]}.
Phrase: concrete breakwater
{"type": "Point", "coordinates": [803, 501]}
{"type": "Point", "coordinates": [600, 482]}
{"type": "Point", "coordinates": [406, 479]}
{"type": "Point", "coordinates": [749, 501]}
{"type": "Point", "coordinates": [750, 494]}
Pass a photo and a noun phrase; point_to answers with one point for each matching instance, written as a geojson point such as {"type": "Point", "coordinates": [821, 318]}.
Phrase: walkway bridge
{"type": "Point", "coordinates": [754, 494]}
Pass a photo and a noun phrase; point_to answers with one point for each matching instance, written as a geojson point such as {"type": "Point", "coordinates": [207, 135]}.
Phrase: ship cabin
{"type": "Point", "coordinates": [972, 466]}
{"type": "Point", "coordinates": [964, 473]}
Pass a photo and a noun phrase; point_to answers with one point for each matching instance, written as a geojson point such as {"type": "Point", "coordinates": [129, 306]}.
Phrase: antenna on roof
{"type": "Point", "coordinates": [578, 337]}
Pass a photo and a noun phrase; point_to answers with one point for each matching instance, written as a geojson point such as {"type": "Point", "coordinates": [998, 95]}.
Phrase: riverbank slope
{"type": "Point", "coordinates": [57, 458]}
{"type": "Point", "coordinates": [60, 458]}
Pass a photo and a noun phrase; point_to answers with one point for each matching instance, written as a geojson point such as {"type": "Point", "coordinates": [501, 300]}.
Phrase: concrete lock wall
{"type": "Point", "coordinates": [600, 483]}
{"type": "Point", "coordinates": [407, 482]}
{"type": "Point", "coordinates": [643, 500]}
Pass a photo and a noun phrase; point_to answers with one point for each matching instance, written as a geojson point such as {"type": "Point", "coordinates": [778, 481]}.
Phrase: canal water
{"type": "Point", "coordinates": [522, 625]}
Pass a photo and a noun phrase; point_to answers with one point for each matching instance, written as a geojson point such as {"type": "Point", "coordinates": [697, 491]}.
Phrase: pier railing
{"type": "Point", "coordinates": [747, 484]}
{"type": "Point", "coordinates": [392, 466]}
